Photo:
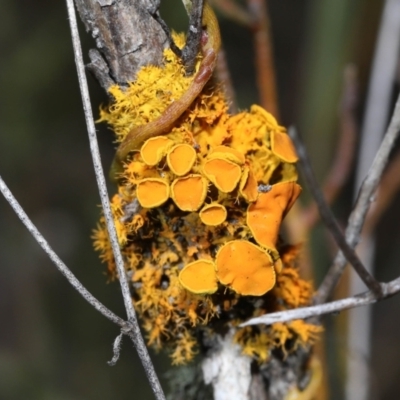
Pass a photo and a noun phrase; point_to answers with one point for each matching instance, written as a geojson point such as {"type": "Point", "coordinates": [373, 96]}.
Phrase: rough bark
{"type": "Point", "coordinates": [127, 37]}
{"type": "Point", "coordinates": [228, 370]}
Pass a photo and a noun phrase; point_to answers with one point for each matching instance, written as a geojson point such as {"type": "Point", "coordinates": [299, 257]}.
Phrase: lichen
{"type": "Point", "coordinates": [203, 212]}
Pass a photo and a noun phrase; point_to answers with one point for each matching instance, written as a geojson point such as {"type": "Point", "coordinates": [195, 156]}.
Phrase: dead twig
{"type": "Point", "coordinates": [134, 331]}
{"type": "Point", "coordinates": [72, 279]}
{"type": "Point", "coordinates": [388, 289]}
{"type": "Point", "coordinates": [365, 197]}
{"type": "Point", "coordinates": [265, 70]}
{"type": "Point", "coordinates": [233, 11]}
{"type": "Point", "coordinates": [328, 217]}
{"type": "Point", "coordinates": [345, 151]}
{"type": "Point", "coordinates": [388, 188]}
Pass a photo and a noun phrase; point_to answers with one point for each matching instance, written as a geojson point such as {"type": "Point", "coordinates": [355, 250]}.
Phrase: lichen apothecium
{"type": "Point", "coordinates": [198, 213]}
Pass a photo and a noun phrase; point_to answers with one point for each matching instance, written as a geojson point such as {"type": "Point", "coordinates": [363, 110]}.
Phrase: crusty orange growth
{"type": "Point", "coordinates": [189, 192]}
{"type": "Point", "coordinates": [154, 149]}
{"type": "Point", "coordinates": [224, 174]}
{"type": "Point", "coordinates": [248, 185]}
{"type": "Point", "coordinates": [282, 146]}
{"type": "Point", "coordinates": [213, 214]}
{"type": "Point", "coordinates": [181, 159]}
{"type": "Point", "coordinates": [152, 192]}
{"type": "Point", "coordinates": [264, 217]}
{"type": "Point", "coordinates": [245, 268]}
{"type": "Point", "coordinates": [199, 277]}
{"type": "Point", "coordinates": [195, 221]}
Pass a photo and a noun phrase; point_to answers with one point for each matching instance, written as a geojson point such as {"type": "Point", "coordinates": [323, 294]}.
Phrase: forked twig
{"type": "Point", "coordinates": [72, 279]}
{"type": "Point", "coordinates": [134, 333]}
{"type": "Point", "coordinates": [364, 199]}
{"type": "Point", "coordinates": [328, 217]}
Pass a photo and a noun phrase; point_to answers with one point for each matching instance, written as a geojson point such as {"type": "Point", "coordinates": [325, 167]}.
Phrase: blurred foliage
{"type": "Point", "coordinates": [52, 344]}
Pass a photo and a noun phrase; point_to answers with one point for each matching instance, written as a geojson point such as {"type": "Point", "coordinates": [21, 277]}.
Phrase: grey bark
{"type": "Point", "coordinates": [127, 37]}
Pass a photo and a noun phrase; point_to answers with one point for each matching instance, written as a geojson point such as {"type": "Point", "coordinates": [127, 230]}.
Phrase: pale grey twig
{"type": "Point", "coordinates": [364, 199]}
{"type": "Point", "coordinates": [116, 350]}
{"type": "Point", "coordinates": [327, 215]}
{"type": "Point", "coordinates": [94, 149]}
{"type": "Point", "coordinates": [136, 335]}
{"type": "Point", "coordinates": [388, 289]}
{"type": "Point", "coordinates": [72, 279]}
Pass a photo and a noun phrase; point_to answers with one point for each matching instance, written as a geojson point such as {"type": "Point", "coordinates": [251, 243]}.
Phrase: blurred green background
{"type": "Point", "coordinates": [52, 344]}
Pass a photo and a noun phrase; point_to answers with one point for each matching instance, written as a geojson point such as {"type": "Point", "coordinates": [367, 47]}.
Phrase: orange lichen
{"type": "Point", "coordinates": [189, 192]}
{"type": "Point", "coordinates": [282, 146]}
{"type": "Point", "coordinates": [181, 159]}
{"type": "Point", "coordinates": [152, 192]}
{"type": "Point", "coordinates": [213, 214]}
{"type": "Point", "coordinates": [227, 153]}
{"type": "Point", "coordinates": [264, 217]}
{"type": "Point", "coordinates": [224, 174]}
{"type": "Point", "coordinates": [208, 256]}
{"type": "Point", "coordinates": [199, 277]}
{"type": "Point", "coordinates": [245, 268]}
{"type": "Point", "coordinates": [248, 187]}
{"type": "Point", "coordinates": [154, 149]}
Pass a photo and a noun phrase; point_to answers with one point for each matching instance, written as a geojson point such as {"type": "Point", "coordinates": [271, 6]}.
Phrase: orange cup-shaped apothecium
{"type": "Point", "coordinates": [264, 217]}
{"type": "Point", "coordinates": [245, 268]}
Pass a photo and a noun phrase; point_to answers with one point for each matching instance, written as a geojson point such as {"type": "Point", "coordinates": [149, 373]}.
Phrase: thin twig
{"type": "Point", "coordinates": [234, 11]}
{"type": "Point", "coordinates": [265, 70]}
{"type": "Point", "coordinates": [345, 151]}
{"type": "Point", "coordinates": [194, 9]}
{"type": "Point", "coordinates": [388, 188]}
{"type": "Point", "coordinates": [224, 76]}
{"type": "Point", "coordinates": [388, 289]}
{"type": "Point", "coordinates": [327, 215]}
{"type": "Point", "coordinates": [94, 148]}
{"type": "Point", "coordinates": [72, 279]}
{"type": "Point", "coordinates": [116, 350]}
{"type": "Point", "coordinates": [363, 202]}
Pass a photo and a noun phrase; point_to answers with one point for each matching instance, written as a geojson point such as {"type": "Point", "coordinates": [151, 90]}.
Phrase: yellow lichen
{"type": "Point", "coordinates": [237, 165]}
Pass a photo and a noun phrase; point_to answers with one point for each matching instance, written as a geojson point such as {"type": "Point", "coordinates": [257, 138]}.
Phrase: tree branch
{"type": "Point", "coordinates": [265, 69]}
{"type": "Point", "coordinates": [134, 333]}
{"type": "Point", "coordinates": [345, 151]}
{"type": "Point", "coordinates": [127, 38]}
{"type": "Point", "coordinates": [363, 202]}
{"type": "Point", "coordinates": [327, 215]}
{"type": "Point", "coordinates": [388, 289]}
{"type": "Point", "coordinates": [72, 279]}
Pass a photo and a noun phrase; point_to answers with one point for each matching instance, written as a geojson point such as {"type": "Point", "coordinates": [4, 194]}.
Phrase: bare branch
{"type": "Point", "coordinates": [127, 37]}
{"type": "Point", "coordinates": [388, 188]}
{"type": "Point", "coordinates": [94, 148]}
{"type": "Point", "coordinates": [116, 350]}
{"type": "Point", "coordinates": [388, 290]}
{"type": "Point", "coordinates": [195, 10]}
{"type": "Point", "coordinates": [363, 202]}
{"type": "Point", "coordinates": [266, 79]}
{"type": "Point", "coordinates": [327, 215]}
{"type": "Point", "coordinates": [72, 279]}
{"type": "Point", "coordinates": [345, 150]}
{"type": "Point", "coordinates": [234, 11]}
